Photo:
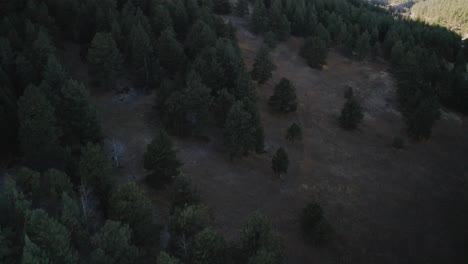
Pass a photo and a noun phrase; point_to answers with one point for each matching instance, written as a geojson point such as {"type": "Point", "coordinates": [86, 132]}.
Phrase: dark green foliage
{"type": "Point", "coordinates": [185, 224]}
{"type": "Point", "coordinates": [129, 204]}
{"type": "Point", "coordinates": [160, 160]}
{"type": "Point", "coordinates": [222, 104]}
{"type": "Point", "coordinates": [351, 115]}
{"type": "Point", "coordinates": [242, 8]}
{"type": "Point", "coordinates": [257, 239]}
{"type": "Point", "coordinates": [164, 258]}
{"type": "Point", "coordinates": [38, 133]}
{"type": "Point", "coordinates": [160, 19]}
{"type": "Point", "coordinates": [105, 58]}
{"type": "Point", "coordinates": [209, 247]}
{"type": "Point", "coordinates": [185, 112]}
{"type": "Point", "coordinates": [363, 46]}
{"type": "Point", "coordinates": [184, 193]}
{"type": "Point", "coordinates": [28, 181]}
{"type": "Point", "coordinates": [419, 123]}
{"type": "Point", "coordinates": [239, 134]}
{"type": "Point", "coordinates": [222, 7]}
{"type": "Point", "coordinates": [77, 116]}
{"type": "Point", "coordinates": [279, 23]}
{"type": "Point", "coordinates": [141, 51]}
{"type": "Point", "coordinates": [314, 52]}
{"type": "Point", "coordinates": [70, 214]}
{"type": "Point", "coordinates": [55, 184]}
{"type": "Point", "coordinates": [315, 229]}
{"type": "Point", "coordinates": [51, 239]}
{"type": "Point", "coordinates": [269, 40]}
{"type": "Point", "coordinates": [94, 170]}
{"type": "Point", "coordinates": [294, 132]}
{"type": "Point", "coordinates": [280, 162]}
{"type": "Point", "coordinates": [42, 48]}
{"type": "Point", "coordinates": [201, 36]}
{"type": "Point", "coordinates": [284, 99]}
{"type": "Point", "coordinates": [170, 52]}
{"type": "Point", "coordinates": [113, 245]}
{"type": "Point", "coordinates": [54, 77]}
{"type": "Point", "coordinates": [263, 66]}
{"type": "Point", "coordinates": [189, 220]}
{"type": "Point", "coordinates": [259, 20]}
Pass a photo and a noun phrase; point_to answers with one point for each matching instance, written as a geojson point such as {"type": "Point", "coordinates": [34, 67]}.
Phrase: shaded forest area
{"type": "Point", "coordinates": [59, 203]}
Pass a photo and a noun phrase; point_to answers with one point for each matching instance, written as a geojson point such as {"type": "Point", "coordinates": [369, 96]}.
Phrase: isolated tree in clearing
{"type": "Point", "coordinates": [280, 162]}
{"type": "Point", "coordinates": [284, 99]}
{"type": "Point", "coordinates": [294, 132]}
{"type": "Point", "coordinates": [351, 115]}
{"type": "Point", "coordinates": [314, 52]}
{"type": "Point", "coordinates": [160, 160]}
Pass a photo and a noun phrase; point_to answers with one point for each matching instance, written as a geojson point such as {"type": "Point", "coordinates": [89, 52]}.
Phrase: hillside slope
{"type": "Point", "coordinates": [452, 14]}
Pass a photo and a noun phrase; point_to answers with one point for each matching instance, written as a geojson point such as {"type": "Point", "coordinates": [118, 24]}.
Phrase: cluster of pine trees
{"type": "Point", "coordinates": [452, 14]}
{"type": "Point", "coordinates": [62, 205]}
{"type": "Point", "coordinates": [429, 61]}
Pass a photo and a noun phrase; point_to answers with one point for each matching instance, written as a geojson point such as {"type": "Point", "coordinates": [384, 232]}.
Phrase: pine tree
{"type": "Point", "coordinates": [170, 53]}
{"type": "Point", "coordinates": [222, 7]}
{"type": "Point", "coordinates": [363, 46]}
{"type": "Point", "coordinates": [294, 132]}
{"type": "Point", "coordinates": [314, 52]}
{"type": "Point", "coordinates": [32, 254]}
{"type": "Point", "coordinates": [263, 66]}
{"type": "Point", "coordinates": [54, 78]}
{"type": "Point", "coordinates": [141, 52]}
{"type": "Point", "coordinates": [351, 115]}
{"type": "Point", "coordinates": [209, 247]}
{"type": "Point", "coordinates": [160, 160]}
{"type": "Point", "coordinates": [160, 20]}
{"type": "Point", "coordinates": [280, 162]}
{"type": "Point", "coordinates": [200, 37]}
{"type": "Point", "coordinates": [279, 23]}
{"type": "Point", "coordinates": [222, 104]}
{"type": "Point", "coordinates": [180, 19]}
{"type": "Point", "coordinates": [77, 116]}
{"type": "Point", "coordinates": [113, 245]}
{"type": "Point", "coordinates": [105, 58]}
{"type": "Point", "coordinates": [42, 48]}
{"type": "Point", "coordinates": [70, 214]}
{"type": "Point", "coordinates": [38, 133]}
{"type": "Point", "coordinates": [420, 121]}
{"type": "Point", "coordinates": [242, 8]}
{"type": "Point", "coordinates": [164, 258]}
{"type": "Point", "coordinates": [130, 205]}
{"type": "Point", "coordinates": [94, 170]}
{"type": "Point", "coordinates": [52, 238]}
{"type": "Point", "coordinates": [239, 134]}
{"type": "Point", "coordinates": [284, 99]}
{"type": "Point", "coordinates": [256, 236]}
{"type": "Point", "coordinates": [259, 19]}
